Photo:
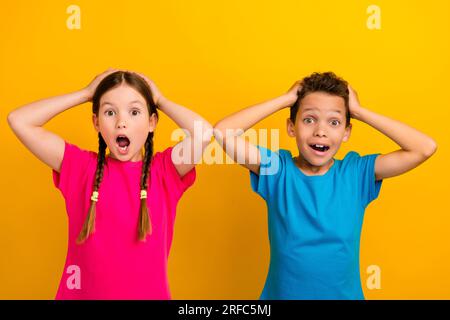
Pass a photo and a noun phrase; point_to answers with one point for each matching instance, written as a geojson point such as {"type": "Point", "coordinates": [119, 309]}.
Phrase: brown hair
{"type": "Point", "coordinates": [136, 82]}
{"type": "Point", "coordinates": [324, 82]}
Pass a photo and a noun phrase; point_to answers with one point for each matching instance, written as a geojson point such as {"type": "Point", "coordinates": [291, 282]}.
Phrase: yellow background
{"type": "Point", "coordinates": [217, 57]}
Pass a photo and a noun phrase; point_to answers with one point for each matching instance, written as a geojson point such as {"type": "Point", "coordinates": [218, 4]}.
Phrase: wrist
{"type": "Point", "coordinates": [287, 100]}
{"type": "Point", "coordinates": [86, 94]}
{"type": "Point", "coordinates": [160, 102]}
{"type": "Point", "coordinates": [358, 114]}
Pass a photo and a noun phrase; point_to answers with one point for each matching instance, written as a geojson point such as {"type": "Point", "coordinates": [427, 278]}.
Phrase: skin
{"type": "Point", "coordinates": [415, 146]}
{"type": "Point", "coordinates": [320, 120]}
{"type": "Point", "coordinates": [123, 111]}
{"type": "Point", "coordinates": [27, 123]}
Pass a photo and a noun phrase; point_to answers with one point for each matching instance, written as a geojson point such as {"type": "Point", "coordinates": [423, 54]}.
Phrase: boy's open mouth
{"type": "Point", "coordinates": [319, 147]}
{"type": "Point", "coordinates": [123, 143]}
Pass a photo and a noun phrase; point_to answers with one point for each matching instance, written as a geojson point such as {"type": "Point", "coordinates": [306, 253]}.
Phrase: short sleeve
{"type": "Point", "coordinates": [176, 184]}
{"type": "Point", "coordinates": [73, 167]}
{"type": "Point", "coordinates": [369, 186]}
{"type": "Point", "coordinates": [270, 169]}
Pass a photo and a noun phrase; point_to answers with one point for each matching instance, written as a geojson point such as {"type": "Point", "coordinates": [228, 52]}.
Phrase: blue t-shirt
{"type": "Point", "coordinates": [315, 225]}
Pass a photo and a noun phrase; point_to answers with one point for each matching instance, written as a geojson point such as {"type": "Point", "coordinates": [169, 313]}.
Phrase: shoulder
{"type": "Point", "coordinates": [76, 156]}
{"type": "Point", "coordinates": [285, 154]}
{"type": "Point", "coordinates": [76, 165]}
{"type": "Point", "coordinates": [355, 156]}
{"type": "Point", "coordinates": [273, 163]}
{"type": "Point", "coordinates": [163, 163]}
{"type": "Point", "coordinates": [282, 154]}
{"type": "Point", "coordinates": [352, 155]}
{"type": "Point", "coordinates": [353, 160]}
{"type": "Point", "coordinates": [163, 167]}
{"type": "Point", "coordinates": [162, 158]}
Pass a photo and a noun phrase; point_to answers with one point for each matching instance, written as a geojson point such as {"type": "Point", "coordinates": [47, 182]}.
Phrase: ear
{"type": "Point", "coordinates": [95, 122]}
{"type": "Point", "coordinates": [347, 133]}
{"type": "Point", "coordinates": [153, 122]}
{"type": "Point", "coordinates": [290, 126]}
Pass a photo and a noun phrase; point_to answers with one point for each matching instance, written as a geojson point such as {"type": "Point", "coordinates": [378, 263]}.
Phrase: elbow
{"type": "Point", "coordinates": [430, 149]}
{"type": "Point", "coordinates": [202, 132]}
{"type": "Point", "coordinates": [12, 119]}
{"type": "Point", "coordinates": [218, 126]}
{"type": "Point", "coordinates": [218, 131]}
{"type": "Point", "coordinates": [208, 133]}
{"type": "Point", "coordinates": [222, 132]}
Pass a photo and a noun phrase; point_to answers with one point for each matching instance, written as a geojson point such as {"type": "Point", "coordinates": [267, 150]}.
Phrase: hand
{"type": "Point", "coordinates": [293, 91]}
{"type": "Point", "coordinates": [353, 103]}
{"type": "Point", "coordinates": [156, 94]}
{"type": "Point", "coordinates": [90, 89]}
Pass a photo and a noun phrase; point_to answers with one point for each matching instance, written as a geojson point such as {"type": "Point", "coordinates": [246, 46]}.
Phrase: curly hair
{"type": "Point", "coordinates": [326, 82]}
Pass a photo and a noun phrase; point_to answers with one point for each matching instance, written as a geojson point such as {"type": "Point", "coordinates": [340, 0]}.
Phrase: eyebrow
{"type": "Point", "coordinates": [136, 101]}
{"type": "Point", "coordinates": [112, 104]}
{"type": "Point", "coordinates": [107, 102]}
{"type": "Point", "coordinates": [314, 109]}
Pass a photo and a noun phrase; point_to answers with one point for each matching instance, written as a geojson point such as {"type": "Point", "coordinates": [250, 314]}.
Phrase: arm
{"type": "Point", "coordinates": [416, 147]}
{"type": "Point", "coordinates": [198, 129]}
{"type": "Point", "coordinates": [27, 123]}
{"type": "Point", "coordinates": [228, 131]}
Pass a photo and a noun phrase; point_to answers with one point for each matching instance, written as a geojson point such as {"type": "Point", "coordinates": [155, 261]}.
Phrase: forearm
{"type": "Point", "coordinates": [227, 131]}
{"type": "Point", "coordinates": [199, 136]}
{"type": "Point", "coordinates": [184, 117]}
{"type": "Point", "coordinates": [408, 138]}
{"type": "Point", "coordinates": [250, 116]}
{"type": "Point", "coordinates": [40, 112]}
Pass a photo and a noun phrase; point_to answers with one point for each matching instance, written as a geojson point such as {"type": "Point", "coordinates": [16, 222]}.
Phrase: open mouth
{"type": "Point", "coordinates": [123, 143]}
{"type": "Point", "coordinates": [319, 147]}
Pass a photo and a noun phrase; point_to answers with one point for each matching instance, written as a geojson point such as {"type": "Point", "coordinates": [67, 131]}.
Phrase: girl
{"type": "Point", "coordinates": [121, 206]}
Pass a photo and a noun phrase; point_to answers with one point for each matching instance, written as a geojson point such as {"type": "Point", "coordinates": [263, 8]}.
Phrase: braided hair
{"type": "Point", "coordinates": [89, 223]}
{"type": "Point", "coordinates": [144, 224]}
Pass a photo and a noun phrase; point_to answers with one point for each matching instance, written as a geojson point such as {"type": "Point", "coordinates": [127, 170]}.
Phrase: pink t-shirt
{"type": "Point", "coordinates": [112, 263]}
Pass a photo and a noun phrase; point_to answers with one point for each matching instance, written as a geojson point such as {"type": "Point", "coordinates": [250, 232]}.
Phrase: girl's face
{"type": "Point", "coordinates": [319, 128]}
{"type": "Point", "coordinates": [124, 122]}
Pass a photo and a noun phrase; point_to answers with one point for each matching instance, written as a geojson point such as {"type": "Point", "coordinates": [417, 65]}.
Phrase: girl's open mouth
{"type": "Point", "coordinates": [123, 144]}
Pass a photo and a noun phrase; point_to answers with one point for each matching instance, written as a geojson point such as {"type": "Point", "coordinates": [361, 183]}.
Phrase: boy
{"type": "Point", "coordinates": [316, 203]}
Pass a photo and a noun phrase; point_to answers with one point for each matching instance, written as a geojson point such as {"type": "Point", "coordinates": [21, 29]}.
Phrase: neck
{"type": "Point", "coordinates": [137, 157]}
{"type": "Point", "coordinates": [309, 169]}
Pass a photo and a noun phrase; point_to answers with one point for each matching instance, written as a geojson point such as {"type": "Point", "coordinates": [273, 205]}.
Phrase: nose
{"type": "Point", "coordinates": [320, 131]}
{"type": "Point", "coordinates": [121, 124]}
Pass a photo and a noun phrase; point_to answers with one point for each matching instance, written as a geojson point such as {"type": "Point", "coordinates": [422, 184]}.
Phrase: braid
{"type": "Point", "coordinates": [145, 225]}
{"type": "Point", "coordinates": [89, 223]}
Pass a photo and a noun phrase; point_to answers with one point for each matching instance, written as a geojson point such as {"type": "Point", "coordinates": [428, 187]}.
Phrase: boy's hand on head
{"type": "Point", "coordinates": [156, 93]}
{"type": "Point", "coordinates": [293, 91]}
{"type": "Point", "coordinates": [91, 87]}
{"type": "Point", "coordinates": [353, 102]}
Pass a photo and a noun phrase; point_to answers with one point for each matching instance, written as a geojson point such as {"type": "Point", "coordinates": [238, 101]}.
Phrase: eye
{"type": "Point", "coordinates": [308, 120]}
{"type": "Point", "coordinates": [109, 113]}
{"type": "Point", "coordinates": [335, 123]}
{"type": "Point", "coordinates": [135, 112]}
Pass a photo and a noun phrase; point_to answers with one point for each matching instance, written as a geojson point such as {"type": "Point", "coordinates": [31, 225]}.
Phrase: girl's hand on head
{"type": "Point", "coordinates": [353, 102]}
{"type": "Point", "coordinates": [156, 93]}
{"type": "Point", "coordinates": [90, 89]}
{"type": "Point", "coordinates": [293, 91]}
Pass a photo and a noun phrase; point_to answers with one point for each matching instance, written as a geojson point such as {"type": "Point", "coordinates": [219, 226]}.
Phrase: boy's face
{"type": "Point", "coordinates": [319, 127]}
{"type": "Point", "coordinates": [124, 122]}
